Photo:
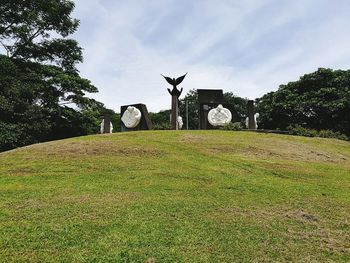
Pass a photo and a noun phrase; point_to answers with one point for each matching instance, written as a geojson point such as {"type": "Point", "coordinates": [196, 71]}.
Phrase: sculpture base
{"type": "Point", "coordinates": [145, 123]}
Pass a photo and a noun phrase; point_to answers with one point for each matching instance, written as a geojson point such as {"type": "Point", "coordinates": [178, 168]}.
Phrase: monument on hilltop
{"type": "Point", "coordinates": [175, 94]}
{"type": "Point", "coordinates": [134, 117]}
{"type": "Point", "coordinates": [213, 111]}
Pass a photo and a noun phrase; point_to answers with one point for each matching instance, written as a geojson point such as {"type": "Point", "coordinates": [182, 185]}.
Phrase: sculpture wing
{"type": "Point", "coordinates": [169, 80]}
{"type": "Point", "coordinates": [180, 79]}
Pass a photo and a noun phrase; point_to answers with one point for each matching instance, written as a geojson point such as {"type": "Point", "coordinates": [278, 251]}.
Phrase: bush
{"type": "Point", "coordinates": [332, 134]}
{"type": "Point", "coordinates": [161, 126]}
{"type": "Point", "coordinates": [236, 126]}
{"type": "Point", "coordinates": [301, 131]}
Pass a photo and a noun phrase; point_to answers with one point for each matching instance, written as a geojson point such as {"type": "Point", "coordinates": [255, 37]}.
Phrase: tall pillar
{"type": "Point", "coordinates": [106, 124]}
{"type": "Point", "coordinates": [251, 112]}
{"type": "Point", "coordinates": [174, 112]}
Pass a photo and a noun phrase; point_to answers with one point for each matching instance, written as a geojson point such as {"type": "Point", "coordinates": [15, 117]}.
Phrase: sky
{"type": "Point", "coordinates": [248, 47]}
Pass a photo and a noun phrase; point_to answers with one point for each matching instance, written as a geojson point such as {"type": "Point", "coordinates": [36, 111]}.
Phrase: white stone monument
{"type": "Point", "coordinates": [180, 123]}
{"type": "Point", "coordinates": [131, 117]}
{"type": "Point", "coordinates": [219, 116]}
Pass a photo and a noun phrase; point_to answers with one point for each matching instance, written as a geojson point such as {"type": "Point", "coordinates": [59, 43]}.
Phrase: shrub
{"type": "Point", "coordinates": [236, 126]}
{"type": "Point", "coordinates": [332, 134]}
{"type": "Point", "coordinates": [161, 126]}
{"type": "Point", "coordinates": [301, 131]}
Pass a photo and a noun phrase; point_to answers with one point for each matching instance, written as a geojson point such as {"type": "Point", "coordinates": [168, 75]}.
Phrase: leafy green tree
{"type": "Point", "coordinates": [26, 29]}
{"type": "Point", "coordinates": [193, 109]}
{"type": "Point", "coordinates": [160, 120]}
{"type": "Point", "coordinates": [42, 96]}
{"type": "Point", "coordinates": [239, 103]}
{"type": "Point", "coordinates": [320, 100]}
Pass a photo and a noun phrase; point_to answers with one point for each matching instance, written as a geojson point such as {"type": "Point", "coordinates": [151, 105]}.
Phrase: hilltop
{"type": "Point", "coordinates": [176, 196]}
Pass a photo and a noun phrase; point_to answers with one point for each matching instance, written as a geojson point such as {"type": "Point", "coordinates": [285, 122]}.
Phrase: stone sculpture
{"type": "Point", "coordinates": [219, 116]}
{"type": "Point", "coordinates": [175, 94]}
{"type": "Point", "coordinates": [103, 130]}
{"type": "Point", "coordinates": [131, 117]}
{"type": "Point", "coordinates": [255, 123]}
{"type": "Point", "coordinates": [180, 123]}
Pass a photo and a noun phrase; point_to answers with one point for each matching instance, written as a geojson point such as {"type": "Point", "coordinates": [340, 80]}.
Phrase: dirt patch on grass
{"type": "Point", "coordinates": [192, 138]}
{"type": "Point", "coordinates": [20, 171]}
{"type": "Point", "coordinates": [301, 225]}
{"type": "Point", "coordinates": [93, 148]}
{"type": "Point", "coordinates": [108, 198]}
{"type": "Point", "coordinates": [103, 200]}
{"type": "Point", "coordinates": [268, 148]}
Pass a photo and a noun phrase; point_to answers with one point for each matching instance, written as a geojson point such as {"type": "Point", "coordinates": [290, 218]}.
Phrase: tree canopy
{"type": "Point", "coordinates": [42, 94]}
{"type": "Point", "coordinates": [320, 100]}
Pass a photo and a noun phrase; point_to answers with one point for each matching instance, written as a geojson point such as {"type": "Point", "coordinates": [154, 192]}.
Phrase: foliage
{"type": "Point", "coordinates": [193, 109]}
{"type": "Point", "coordinates": [42, 96]}
{"type": "Point", "coordinates": [239, 103]}
{"type": "Point", "coordinates": [301, 131]}
{"type": "Point", "coordinates": [320, 100]}
{"type": "Point", "coordinates": [26, 29]}
{"type": "Point", "coordinates": [190, 196]}
{"type": "Point", "coordinates": [161, 126]}
{"type": "Point", "coordinates": [236, 126]}
{"type": "Point", "coordinates": [115, 119]}
{"type": "Point", "coordinates": [160, 120]}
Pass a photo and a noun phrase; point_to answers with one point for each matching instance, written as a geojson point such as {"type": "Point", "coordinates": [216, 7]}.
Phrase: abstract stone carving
{"type": "Point", "coordinates": [131, 117]}
{"type": "Point", "coordinates": [219, 116]}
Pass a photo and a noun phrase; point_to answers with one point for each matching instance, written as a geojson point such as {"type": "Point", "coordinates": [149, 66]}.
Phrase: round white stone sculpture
{"type": "Point", "coordinates": [131, 117]}
{"type": "Point", "coordinates": [219, 116]}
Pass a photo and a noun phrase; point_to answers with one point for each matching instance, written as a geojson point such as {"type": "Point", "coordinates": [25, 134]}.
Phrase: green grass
{"type": "Point", "coordinates": [186, 196]}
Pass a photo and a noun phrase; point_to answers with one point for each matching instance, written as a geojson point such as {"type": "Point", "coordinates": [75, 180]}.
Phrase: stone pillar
{"type": "Point", "coordinates": [174, 110]}
{"type": "Point", "coordinates": [251, 112]}
{"type": "Point", "coordinates": [107, 124]}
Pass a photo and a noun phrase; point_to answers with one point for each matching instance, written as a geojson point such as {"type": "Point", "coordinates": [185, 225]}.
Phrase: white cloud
{"type": "Point", "coordinates": [248, 48]}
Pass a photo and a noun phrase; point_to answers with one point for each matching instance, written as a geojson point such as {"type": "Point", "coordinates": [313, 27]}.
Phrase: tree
{"type": "Point", "coordinates": [193, 109]}
{"type": "Point", "coordinates": [320, 100]}
{"type": "Point", "coordinates": [26, 28]}
{"type": "Point", "coordinates": [42, 96]}
{"type": "Point", "coordinates": [160, 120]}
{"type": "Point", "coordinates": [239, 103]}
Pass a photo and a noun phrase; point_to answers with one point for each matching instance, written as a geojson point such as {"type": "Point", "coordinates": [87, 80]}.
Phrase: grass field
{"type": "Point", "coordinates": [186, 196]}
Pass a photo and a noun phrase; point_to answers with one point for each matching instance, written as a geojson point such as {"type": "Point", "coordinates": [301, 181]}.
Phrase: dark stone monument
{"type": "Point", "coordinates": [145, 122]}
{"type": "Point", "coordinates": [251, 112]}
{"type": "Point", "coordinates": [106, 124]}
{"type": "Point", "coordinates": [209, 99]}
{"type": "Point", "coordinates": [175, 94]}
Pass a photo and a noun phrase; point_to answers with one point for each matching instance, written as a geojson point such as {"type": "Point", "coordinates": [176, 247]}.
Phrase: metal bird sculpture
{"type": "Point", "coordinates": [174, 82]}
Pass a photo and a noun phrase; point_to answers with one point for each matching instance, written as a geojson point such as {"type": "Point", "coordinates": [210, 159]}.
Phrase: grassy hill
{"type": "Point", "coordinates": [186, 196]}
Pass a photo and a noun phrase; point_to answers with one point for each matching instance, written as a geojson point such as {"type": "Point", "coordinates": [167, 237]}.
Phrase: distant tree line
{"type": "Point", "coordinates": [320, 101]}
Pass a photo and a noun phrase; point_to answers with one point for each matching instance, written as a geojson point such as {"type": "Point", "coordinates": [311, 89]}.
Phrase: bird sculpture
{"type": "Point", "coordinates": [175, 82]}
{"type": "Point", "coordinates": [175, 94]}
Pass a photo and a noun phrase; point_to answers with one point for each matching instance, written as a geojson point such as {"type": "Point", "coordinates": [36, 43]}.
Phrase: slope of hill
{"type": "Point", "coordinates": [186, 196]}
